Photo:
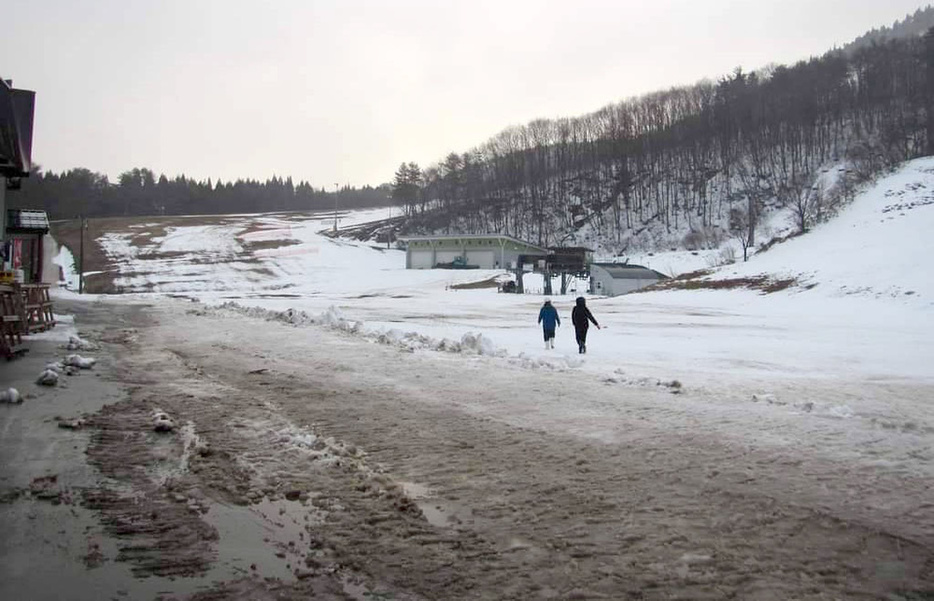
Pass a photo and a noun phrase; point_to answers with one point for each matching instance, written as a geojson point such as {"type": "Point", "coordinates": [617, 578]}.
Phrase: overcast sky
{"type": "Point", "coordinates": [343, 91]}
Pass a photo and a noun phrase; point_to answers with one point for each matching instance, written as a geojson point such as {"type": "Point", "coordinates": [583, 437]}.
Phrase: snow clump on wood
{"type": "Point", "coordinates": [162, 422]}
{"type": "Point", "coordinates": [60, 368]}
{"type": "Point", "coordinates": [48, 377]}
{"type": "Point", "coordinates": [76, 343]}
{"type": "Point", "coordinates": [79, 361]}
{"type": "Point", "coordinates": [11, 395]}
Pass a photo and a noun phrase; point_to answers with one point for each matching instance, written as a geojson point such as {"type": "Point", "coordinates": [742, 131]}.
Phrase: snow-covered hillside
{"type": "Point", "coordinates": [876, 247]}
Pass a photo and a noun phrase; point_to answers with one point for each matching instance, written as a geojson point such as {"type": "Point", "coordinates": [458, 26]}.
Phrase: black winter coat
{"type": "Point", "coordinates": [581, 316]}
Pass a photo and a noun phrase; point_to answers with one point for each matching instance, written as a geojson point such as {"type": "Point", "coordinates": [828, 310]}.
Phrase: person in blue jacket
{"type": "Point", "coordinates": [548, 317]}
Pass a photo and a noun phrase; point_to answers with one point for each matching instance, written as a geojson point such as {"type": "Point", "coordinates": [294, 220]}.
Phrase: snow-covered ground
{"type": "Point", "coordinates": [863, 307]}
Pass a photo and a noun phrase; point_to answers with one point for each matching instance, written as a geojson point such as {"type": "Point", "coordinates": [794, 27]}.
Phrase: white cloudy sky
{"type": "Point", "coordinates": [342, 91]}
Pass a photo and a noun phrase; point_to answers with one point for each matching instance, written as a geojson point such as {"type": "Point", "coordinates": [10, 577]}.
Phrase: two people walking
{"type": "Point", "coordinates": [581, 317]}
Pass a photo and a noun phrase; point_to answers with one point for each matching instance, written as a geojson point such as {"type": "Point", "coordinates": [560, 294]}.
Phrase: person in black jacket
{"type": "Point", "coordinates": [581, 318]}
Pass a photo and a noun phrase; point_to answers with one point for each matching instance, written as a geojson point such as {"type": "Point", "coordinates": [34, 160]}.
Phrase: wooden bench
{"type": "Point", "coordinates": [37, 307]}
{"type": "Point", "coordinates": [12, 321]}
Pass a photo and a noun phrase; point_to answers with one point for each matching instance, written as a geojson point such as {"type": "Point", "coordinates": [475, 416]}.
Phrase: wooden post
{"type": "Point", "coordinates": [81, 225]}
{"type": "Point", "coordinates": [37, 273]}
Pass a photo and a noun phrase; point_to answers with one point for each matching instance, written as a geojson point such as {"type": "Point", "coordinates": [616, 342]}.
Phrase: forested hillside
{"type": "Point", "coordinates": [914, 25]}
{"type": "Point", "coordinates": [691, 166]}
{"type": "Point", "coordinates": [138, 192]}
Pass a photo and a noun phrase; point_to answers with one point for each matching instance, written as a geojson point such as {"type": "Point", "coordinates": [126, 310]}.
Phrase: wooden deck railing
{"type": "Point", "coordinates": [24, 309]}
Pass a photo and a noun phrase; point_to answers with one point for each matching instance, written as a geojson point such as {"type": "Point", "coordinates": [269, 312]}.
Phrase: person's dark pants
{"type": "Point", "coordinates": [549, 333]}
{"type": "Point", "coordinates": [581, 334]}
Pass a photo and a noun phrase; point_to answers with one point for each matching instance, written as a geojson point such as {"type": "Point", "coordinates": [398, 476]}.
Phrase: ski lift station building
{"type": "Point", "coordinates": [482, 251]}
{"type": "Point", "coordinates": [613, 279]}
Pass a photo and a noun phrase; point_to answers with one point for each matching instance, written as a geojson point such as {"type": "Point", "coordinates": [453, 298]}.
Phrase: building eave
{"type": "Point", "coordinates": [448, 237]}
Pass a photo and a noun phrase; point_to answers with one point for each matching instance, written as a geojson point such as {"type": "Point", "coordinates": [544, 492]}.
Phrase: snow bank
{"type": "Point", "coordinates": [471, 343]}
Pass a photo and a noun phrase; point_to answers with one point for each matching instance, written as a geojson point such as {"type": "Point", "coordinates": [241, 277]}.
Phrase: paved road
{"type": "Point", "coordinates": [307, 462]}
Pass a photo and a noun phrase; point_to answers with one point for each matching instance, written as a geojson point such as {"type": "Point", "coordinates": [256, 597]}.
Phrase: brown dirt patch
{"type": "Point", "coordinates": [394, 477]}
{"type": "Point", "coordinates": [693, 281]}
{"type": "Point", "coordinates": [492, 282]}
{"type": "Point", "coordinates": [268, 244]}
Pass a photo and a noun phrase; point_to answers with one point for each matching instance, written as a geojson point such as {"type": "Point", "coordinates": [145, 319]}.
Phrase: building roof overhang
{"type": "Point", "coordinates": [27, 221]}
{"type": "Point", "coordinates": [473, 237]}
{"type": "Point", "coordinates": [16, 117]}
{"type": "Point", "coordinates": [626, 271]}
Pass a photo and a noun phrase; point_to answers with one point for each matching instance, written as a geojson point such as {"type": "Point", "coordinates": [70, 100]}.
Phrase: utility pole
{"type": "Point", "coordinates": [335, 208]}
{"type": "Point", "coordinates": [82, 225]}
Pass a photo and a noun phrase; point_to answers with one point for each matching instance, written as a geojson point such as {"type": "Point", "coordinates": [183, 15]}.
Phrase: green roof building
{"type": "Point", "coordinates": [478, 251]}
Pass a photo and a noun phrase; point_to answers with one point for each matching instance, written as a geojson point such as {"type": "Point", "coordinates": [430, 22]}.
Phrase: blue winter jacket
{"type": "Point", "coordinates": [548, 317]}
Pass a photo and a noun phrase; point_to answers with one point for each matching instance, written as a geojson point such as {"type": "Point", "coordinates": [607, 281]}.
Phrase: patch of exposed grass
{"type": "Point", "coordinates": [102, 271]}
{"type": "Point", "coordinates": [487, 283]}
{"type": "Point", "coordinates": [257, 245]}
{"type": "Point", "coordinates": [693, 281]}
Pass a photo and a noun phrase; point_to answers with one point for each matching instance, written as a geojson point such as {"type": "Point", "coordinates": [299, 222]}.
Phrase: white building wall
{"type": "Point", "coordinates": [421, 258]}
{"type": "Point", "coordinates": [601, 282]}
{"type": "Point", "coordinates": [625, 286]}
{"type": "Point", "coordinates": [484, 259]}
{"type": "Point", "coordinates": [488, 253]}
